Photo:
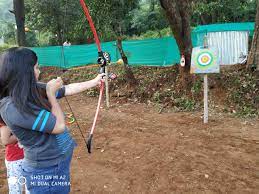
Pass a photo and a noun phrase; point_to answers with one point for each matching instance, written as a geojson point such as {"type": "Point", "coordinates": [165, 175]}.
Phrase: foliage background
{"type": "Point", "coordinates": [51, 22]}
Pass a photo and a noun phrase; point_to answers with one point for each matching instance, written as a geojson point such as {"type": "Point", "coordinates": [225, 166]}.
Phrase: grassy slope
{"type": "Point", "coordinates": [233, 91]}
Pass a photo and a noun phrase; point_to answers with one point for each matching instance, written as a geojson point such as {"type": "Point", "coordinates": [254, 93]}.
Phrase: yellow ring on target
{"type": "Point", "coordinates": [205, 59]}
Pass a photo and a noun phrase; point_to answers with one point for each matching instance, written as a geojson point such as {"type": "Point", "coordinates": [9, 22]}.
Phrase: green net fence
{"type": "Point", "coordinates": [149, 52]}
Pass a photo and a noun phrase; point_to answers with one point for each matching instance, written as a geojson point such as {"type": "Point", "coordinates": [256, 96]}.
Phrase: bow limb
{"type": "Point", "coordinates": [91, 23]}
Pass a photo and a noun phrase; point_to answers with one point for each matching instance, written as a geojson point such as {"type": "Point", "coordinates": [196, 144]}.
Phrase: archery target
{"type": "Point", "coordinates": [204, 60]}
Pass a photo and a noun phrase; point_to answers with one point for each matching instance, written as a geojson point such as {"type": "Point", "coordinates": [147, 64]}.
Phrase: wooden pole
{"type": "Point", "coordinates": [206, 107]}
{"type": "Point", "coordinates": [62, 65]}
{"type": "Point", "coordinates": [107, 87]}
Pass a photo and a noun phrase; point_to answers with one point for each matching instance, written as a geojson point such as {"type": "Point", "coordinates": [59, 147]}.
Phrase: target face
{"type": "Point", "coordinates": [204, 60]}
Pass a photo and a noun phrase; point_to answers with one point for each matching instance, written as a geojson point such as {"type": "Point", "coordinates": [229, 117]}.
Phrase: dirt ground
{"type": "Point", "coordinates": [138, 150]}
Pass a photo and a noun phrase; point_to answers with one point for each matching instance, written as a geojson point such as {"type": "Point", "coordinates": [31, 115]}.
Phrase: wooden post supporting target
{"type": "Point", "coordinates": [204, 61]}
{"type": "Point", "coordinates": [107, 95]}
{"type": "Point", "coordinates": [205, 101]}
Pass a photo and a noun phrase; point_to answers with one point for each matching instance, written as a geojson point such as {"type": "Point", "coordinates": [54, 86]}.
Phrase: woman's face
{"type": "Point", "coordinates": [37, 71]}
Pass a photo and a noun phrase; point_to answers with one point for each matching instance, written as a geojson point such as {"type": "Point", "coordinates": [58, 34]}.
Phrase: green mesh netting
{"type": "Point", "coordinates": [149, 52]}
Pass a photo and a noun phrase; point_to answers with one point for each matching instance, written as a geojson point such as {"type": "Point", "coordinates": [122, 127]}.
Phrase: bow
{"type": "Point", "coordinates": [103, 60]}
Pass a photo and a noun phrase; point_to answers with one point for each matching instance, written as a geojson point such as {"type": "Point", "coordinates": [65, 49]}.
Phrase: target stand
{"type": "Point", "coordinates": [205, 61]}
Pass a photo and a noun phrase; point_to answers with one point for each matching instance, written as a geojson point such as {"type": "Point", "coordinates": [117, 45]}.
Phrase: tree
{"type": "Point", "coordinates": [179, 16]}
{"type": "Point", "coordinates": [253, 58]}
{"type": "Point", "coordinates": [120, 21]}
{"type": "Point", "coordinates": [221, 11]}
{"type": "Point", "coordinates": [128, 72]}
{"type": "Point", "coordinates": [147, 16]}
{"type": "Point", "coordinates": [9, 34]}
{"type": "Point", "coordinates": [20, 19]}
{"type": "Point", "coordinates": [65, 18]}
{"type": "Point", "coordinates": [53, 16]}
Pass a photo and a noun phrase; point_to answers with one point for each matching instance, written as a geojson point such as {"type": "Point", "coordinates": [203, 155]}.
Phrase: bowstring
{"type": "Point", "coordinates": [70, 108]}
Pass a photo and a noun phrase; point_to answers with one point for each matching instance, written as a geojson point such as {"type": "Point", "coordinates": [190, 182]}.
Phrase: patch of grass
{"type": "Point", "coordinates": [197, 87]}
{"type": "Point", "coordinates": [237, 90]}
{"type": "Point", "coordinates": [185, 104]}
{"type": "Point", "coordinates": [243, 92]}
{"type": "Point", "coordinates": [246, 112]}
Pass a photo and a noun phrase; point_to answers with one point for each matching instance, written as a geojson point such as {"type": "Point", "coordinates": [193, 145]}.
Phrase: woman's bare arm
{"type": "Point", "coordinates": [76, 88]}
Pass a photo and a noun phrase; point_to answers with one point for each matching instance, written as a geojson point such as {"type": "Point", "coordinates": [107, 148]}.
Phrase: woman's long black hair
{"type": "Point", "coordinates": [17, 79]}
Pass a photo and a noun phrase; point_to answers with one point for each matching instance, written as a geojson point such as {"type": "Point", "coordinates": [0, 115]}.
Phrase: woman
{"type": "Point", "coordinates": [38, 122]}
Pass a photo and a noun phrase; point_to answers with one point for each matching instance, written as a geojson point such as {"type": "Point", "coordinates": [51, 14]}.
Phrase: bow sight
{"type": "Point", "coordinates": [104, 59]}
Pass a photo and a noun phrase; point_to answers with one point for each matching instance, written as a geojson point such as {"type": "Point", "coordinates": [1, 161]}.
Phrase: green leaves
{"type": "Point", "coordinates": [64, 19]}
{"type": "Point", "coordinates": [220, 11]}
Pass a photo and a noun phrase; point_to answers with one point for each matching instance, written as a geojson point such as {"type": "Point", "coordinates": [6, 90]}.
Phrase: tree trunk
{"type": "Point", "coordinates": [20, 20]}
{"type": "Point", "coordinates": [253, 57]}
{"type": "Point", "coordinates": [178, 15]}
{"type": "Point", "coordinates": [203, 20]}
{"type": "Point", "coordinates": [59, 36]}
{"type": "Point", "coordinates": [129, 74]}
{"type": "Point", "coordinates": [60, 31]}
